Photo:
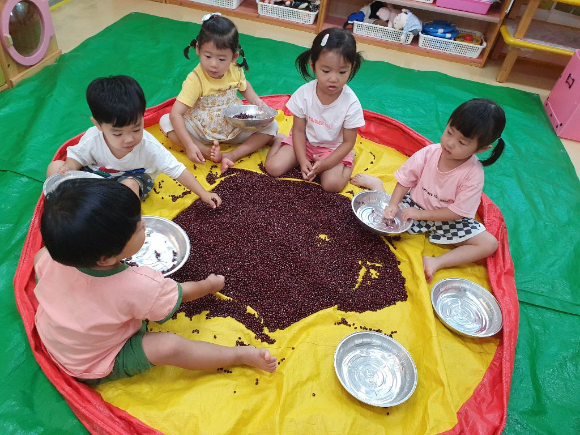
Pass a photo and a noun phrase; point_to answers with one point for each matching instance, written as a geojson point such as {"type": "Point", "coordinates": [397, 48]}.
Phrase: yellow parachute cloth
{"type": "Point", "coordinates": [304, 395]}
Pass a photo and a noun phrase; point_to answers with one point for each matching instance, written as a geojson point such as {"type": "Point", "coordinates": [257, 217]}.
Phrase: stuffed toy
{"type": "Point", "coordinates": [388, 14]}
{"type": "Point", "coordinates": [378, 13]}
{"type": "Point", "coordinates": [307, 5]}
{"type": "Point", "coordinates": [408, 23]}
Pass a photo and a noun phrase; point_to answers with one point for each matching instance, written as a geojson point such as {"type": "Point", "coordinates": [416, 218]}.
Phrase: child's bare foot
{"type": "Point", "coordinates": [227, 163]}
{"type": "Point", "coordinates": [215, 153]}
{"type": "Point", "coordinates": [259, 358]}
{"type": "Point", "coordinates": [430, 266]}
{"type": "Point", "coordinates": [367, 181]}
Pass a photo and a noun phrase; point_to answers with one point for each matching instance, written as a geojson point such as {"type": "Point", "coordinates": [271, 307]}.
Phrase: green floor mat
{"type": "Point", "coordinates": [534, 184]}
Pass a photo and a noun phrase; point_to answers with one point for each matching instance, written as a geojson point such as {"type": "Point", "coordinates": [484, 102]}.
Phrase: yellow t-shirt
{"type": "Point", "coordinates": [199, 84]}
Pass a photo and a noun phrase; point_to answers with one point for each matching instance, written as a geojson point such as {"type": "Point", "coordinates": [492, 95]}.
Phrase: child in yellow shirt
{"type": "Point", "coordinates": [196, 122]}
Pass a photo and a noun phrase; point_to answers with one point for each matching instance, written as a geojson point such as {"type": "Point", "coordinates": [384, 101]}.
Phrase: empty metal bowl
{"type": "Point", "coordinates": [166, 247]}
{"type": "Point", "coordinates": [255, 118]}
{"type": "Point", "coordinates": [368, 207]}
{"type": "Point", "coordinates": [375, 369]}
{"type": "Point", "coordinates": [466, 307]}
{"type": "Point", "coordinates": [55, 180]}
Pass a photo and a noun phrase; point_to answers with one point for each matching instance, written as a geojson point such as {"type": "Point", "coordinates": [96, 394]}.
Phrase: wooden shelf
{"type": "Point", "coordinates": [412, 48]}
{"type": "Point", "coordinates": [493, 16]}
{"type": "Point", "coordinates": [247, 10]}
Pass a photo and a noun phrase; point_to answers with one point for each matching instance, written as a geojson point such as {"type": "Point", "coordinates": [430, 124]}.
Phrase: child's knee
{"type": "Point", "coordinates": [132, 184]}
{"type": "Point", "coordinates": [333, 185]}
{"type": "Point", "coordinates": [488, 243]}
{"type": "Point", "coordinates": [274, 167]}
{"type": "Point", "coordinates": [493, 244]}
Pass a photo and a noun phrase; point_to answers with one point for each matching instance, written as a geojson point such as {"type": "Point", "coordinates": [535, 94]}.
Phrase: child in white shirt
{"type": "Point", "coordinates": [327, 114]}
{"type": "Point", "coordinates": [119, 148]}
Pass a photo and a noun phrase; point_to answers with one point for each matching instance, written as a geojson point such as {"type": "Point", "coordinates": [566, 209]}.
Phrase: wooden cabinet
{"type": "Point", "coordinates": [333, 13]}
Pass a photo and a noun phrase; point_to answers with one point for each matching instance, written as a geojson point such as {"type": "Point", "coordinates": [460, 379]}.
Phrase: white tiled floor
{"type": "Point", "coordinates": [77, 20]}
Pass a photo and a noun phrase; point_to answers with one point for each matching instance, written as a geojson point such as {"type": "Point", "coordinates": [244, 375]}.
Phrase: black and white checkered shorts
{"type": "Point", "coordinates": [444, 232]}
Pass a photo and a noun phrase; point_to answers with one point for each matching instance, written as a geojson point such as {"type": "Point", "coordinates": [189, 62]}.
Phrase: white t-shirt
{"type": "Point", "coordinates": [150, 155]}
{"type": "Point", "coordinates": [324, 124]}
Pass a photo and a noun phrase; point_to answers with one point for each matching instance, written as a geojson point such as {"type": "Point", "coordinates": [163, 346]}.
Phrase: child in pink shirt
{"type": "Point", "coordinates": [92, 307]}
{"type": "Point", "coordinates": [443, 184]}
{"type": "Point", "coordinates": [327, 114]}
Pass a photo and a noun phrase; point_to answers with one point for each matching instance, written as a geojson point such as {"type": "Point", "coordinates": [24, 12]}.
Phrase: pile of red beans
{"type": "Point", "coordinates": [287, 249]}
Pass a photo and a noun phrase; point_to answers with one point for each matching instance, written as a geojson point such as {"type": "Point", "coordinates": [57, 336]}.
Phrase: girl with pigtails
{"type": "Point", "coordinates": [196, 122]}
{"type": "Point", "coordinates": [442, 185]}
{"type": "Point", "coordinates": [327, 114]}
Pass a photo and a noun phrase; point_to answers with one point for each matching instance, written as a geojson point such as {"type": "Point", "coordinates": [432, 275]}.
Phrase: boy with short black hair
{"type": "Point", "coordinates": [92, 306]}
{"type": "Point", "coordinates": [117, 147]}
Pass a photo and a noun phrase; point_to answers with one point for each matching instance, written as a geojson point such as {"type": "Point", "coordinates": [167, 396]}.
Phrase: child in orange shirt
{"type": "Point", "coordinates": [92, 307]}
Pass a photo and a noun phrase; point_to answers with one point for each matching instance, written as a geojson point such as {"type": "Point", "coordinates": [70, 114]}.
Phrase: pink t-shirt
{"type": "Point", "coordinates": [85, 316]}
{"type": "Point", "coordinates": [459, 189]}
{"type": "Point", "coordinates": [324, 124]}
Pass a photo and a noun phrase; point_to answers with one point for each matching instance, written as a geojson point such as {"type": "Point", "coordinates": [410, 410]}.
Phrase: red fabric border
{"type": "Point", "coordinates": [483, 413]}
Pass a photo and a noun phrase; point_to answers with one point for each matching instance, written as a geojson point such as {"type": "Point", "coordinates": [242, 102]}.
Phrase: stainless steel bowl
{"type": "Point", "coordinates": [466, 307]}
{"type": "Point", "coordinates": [259, 118]}
{"type": "Point", "coordinates": [55, 180]}
{"type": "Point", "coordinates": [375, 369]}
{"type": "Point", "coordinates": [368, 207]}
{"type": "Point", "coordinates": [166, 247]}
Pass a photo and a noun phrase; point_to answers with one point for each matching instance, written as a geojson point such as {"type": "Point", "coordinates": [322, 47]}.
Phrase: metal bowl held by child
{"type": "Point", "coordinates": [375, 369]}
{"type": "Point", "coordinates": [466, 308]}
{"type": "Point", "coordinates": [55, 180]}
{"type": "Point", "coordinates": [368, 207]}
{"type": "Point", "coordinates": [249, 116]}
{"type": "Point", "coordinates": [166, 247]}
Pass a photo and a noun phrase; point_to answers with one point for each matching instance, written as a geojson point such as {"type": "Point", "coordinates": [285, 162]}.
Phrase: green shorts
{"type": "Point", "coordinates": [130, 361]}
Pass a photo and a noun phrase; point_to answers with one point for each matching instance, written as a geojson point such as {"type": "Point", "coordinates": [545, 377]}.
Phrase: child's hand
{"type": "Point", "coordinates": [391, 211]}
{"type": "Point", "coordinates": [215, 282]}
{"type": "Point", "coordinates": [260, 104]}
{"type": "Point", "coordinates": [316, 168]}
{"type": "Point", "coordinates": [194, 154]}
{"type": "Point", "coordinates": [411, 213]}
{"type": "Point", "coordinates": [212, 199]}
{"type": "Point", "coordinates": [305, 168]}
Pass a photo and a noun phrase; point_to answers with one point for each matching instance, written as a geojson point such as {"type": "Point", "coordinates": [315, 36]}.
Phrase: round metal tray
{"type": "Point", "coordinates": [166, 247]}
{"type": "Point", "coordinates": [258, 118]}
{"type": "Point", "coordinates": [466, 308]}
{"type": "Point", "coordinates": [55, 180]}
{"type": "Point", "coordinates": [375, 369]}
{"type": "Point", "coordinates": [368, 207]}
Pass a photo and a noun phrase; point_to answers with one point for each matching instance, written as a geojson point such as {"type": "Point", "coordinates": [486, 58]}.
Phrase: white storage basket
{"type": "Point", "coordinates": [453, 47]}
{"type": "Point", "coordinates": [228, 4]}
{"type": "Point", "coordinates": [286, 13]}
{"type": "Point", "coordinates": [380, 32]}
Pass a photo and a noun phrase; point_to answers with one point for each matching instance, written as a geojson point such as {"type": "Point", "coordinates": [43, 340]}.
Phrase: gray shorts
{"type": "Point", "coordinates": [145, 182]}
{"type": "Point", "coordinates": [444, 232]}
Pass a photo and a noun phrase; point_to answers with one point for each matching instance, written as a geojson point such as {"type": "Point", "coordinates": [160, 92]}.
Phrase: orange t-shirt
{"type": "Point", "coordinates": [85, 316]}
